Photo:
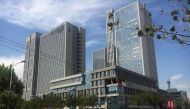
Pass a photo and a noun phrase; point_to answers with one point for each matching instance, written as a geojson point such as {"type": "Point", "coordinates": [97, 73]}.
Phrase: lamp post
{"type": "Point", "coordinates": [12, 66]}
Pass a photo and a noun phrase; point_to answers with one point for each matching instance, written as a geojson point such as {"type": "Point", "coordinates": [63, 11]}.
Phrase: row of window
{"type": "Point", "coordinates": [103, 74]}
{"type": "Point", "coordinates": [97, 91]}
{"type": "Point", "coordinates": [124, 90]}
{"type": "Point", "coordinates": [98, 82]}
{"type": "Point", "coordinates": [136, 78]}
{"type": "Point", "coordinates": [123, 74]}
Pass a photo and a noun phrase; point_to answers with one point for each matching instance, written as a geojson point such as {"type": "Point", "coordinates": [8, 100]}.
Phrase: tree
{"type": "Point", "coordinates": [186, 105]}
{"type": "Point", "coordinates": [147, 98]}
{"type": "Point", "coordinates": [70, 101]}
{"type": "Point", "coordinates": [91, 100]}
{"type": "Point", "coordinates": [49, 101]}
{"type": "Point", "coordinates": [179, 18]}
{"type": "Point", "coordinates": [80, 101]}
{"type": "Point", "coordinates": [9, 97]}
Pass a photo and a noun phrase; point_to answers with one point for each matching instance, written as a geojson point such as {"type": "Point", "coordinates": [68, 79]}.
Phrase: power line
{"type": "Point", "coordinates": [12, 43]}
{"type": "Point", "coordinates": [11, 40]}
{"type": "Point", "coordinates": [10, 47]}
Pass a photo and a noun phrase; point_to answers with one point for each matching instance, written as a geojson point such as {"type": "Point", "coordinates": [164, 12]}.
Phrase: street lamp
{"type": "Point", "coordinates": [12, 66]}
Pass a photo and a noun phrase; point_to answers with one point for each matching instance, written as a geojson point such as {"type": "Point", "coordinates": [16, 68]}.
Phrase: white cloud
{"type": "Point", "coordinates": [7, 61]}
{"type": "Point", "coordinates": [45, 14]}
{"type": "Point", "coordinates": [175, 77]}
{"type": "Point", "coordinates": [180, 82]}
{"type": "Point", "coordinates": [91, 43]}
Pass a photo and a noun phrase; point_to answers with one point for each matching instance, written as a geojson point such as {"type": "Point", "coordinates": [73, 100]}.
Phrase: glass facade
{"type": "Point", "coordinates": [99, 59]}
{"type": "Point", "coordinates": [127, 42]}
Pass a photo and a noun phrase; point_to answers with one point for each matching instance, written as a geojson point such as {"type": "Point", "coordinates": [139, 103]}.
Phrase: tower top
{"type": "Point", "coordinates": [169, 83]}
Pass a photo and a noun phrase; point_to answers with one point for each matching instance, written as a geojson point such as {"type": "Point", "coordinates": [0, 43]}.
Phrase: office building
{"type": "Point", "coordinates": [31, 65]}
{"type": "Point", "coordinates": [60, 59]}
{"type": "Point", "coordinates": [124, 47]}
{"type": "Point", "coordinates": [64, 47]}
{"type": "Point", "coordinates": [130, 60]}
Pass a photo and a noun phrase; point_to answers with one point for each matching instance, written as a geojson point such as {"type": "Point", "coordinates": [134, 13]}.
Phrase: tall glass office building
{"type": "Point", "coordinates": [131, 51]}
{"type": "Point", "coordinates": [127, 41]}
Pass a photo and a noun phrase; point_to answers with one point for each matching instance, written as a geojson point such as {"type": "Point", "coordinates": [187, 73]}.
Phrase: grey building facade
{"type": "Point", "coordinates": [115, 86]}
{"type": "Point", "coordinates": [31, 65]}
{"type": "Point", "coordinates": [64, 47]}
{"type": "Point", "coordinates": [61, 54]}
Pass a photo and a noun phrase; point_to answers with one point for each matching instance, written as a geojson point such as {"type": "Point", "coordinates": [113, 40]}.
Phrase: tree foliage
{"type": "Point", "coordinates": [51, 101]}
{"type": "Point", "coordinates": [147, 98]}
{"type": "Point", "coordinates": [179, 24]}
{"type": "Point", "coordinates": [9, 98]}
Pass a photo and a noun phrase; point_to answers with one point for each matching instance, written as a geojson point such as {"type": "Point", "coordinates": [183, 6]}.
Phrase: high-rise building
{"type": "Point", "coordinates": [31, 65]}
{"type": "Point", "coordinates": [130, 66]}
{"type": "Point", "coordinates": [125, 48]}
{"type": "Point", "coordinates": [61, 55]}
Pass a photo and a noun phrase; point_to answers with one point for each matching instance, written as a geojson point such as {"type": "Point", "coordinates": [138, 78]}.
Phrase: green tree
{"type": "Point", "coordinates": [186, 105]}
{"type": "Point", "coordinates": [70, 101]}
{"type": "Point", "coordinates": [9, 97]}
{"type": "Point", "coordinates": [91, 100]}
{"type": "Point", "coordinates": [178, 19]}
{"type": "Point", "coordinates": [147, 98]}
{"type": "Point", "coordinates": [80, 101]}
{"type": "Point", "coordinates": [5, 74]}
{"type": "Point", "coordinates": [49, 101]}
{"type": "Point", "coordinates": [52, 101]}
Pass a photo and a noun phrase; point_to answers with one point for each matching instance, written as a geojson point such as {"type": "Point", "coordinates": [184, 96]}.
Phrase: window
{"type": "Point", "coordinates": [92, 83]}
{"type": "Point", "coordinates": [96, 82]}
{"type": "Point", "coordinates": [108, 73]}
{"type": "Point", "coordinates": [100, 74]}
{"type": "Point", "coordinates": [100, 82]}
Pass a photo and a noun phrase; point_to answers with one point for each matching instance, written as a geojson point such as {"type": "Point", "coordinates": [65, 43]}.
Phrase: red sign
{"type": "Point", "coordinates": [170, 104]}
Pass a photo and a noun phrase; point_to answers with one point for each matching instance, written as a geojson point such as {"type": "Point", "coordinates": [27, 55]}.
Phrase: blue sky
{"type": "Point", "coordinates": [19, 18]}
